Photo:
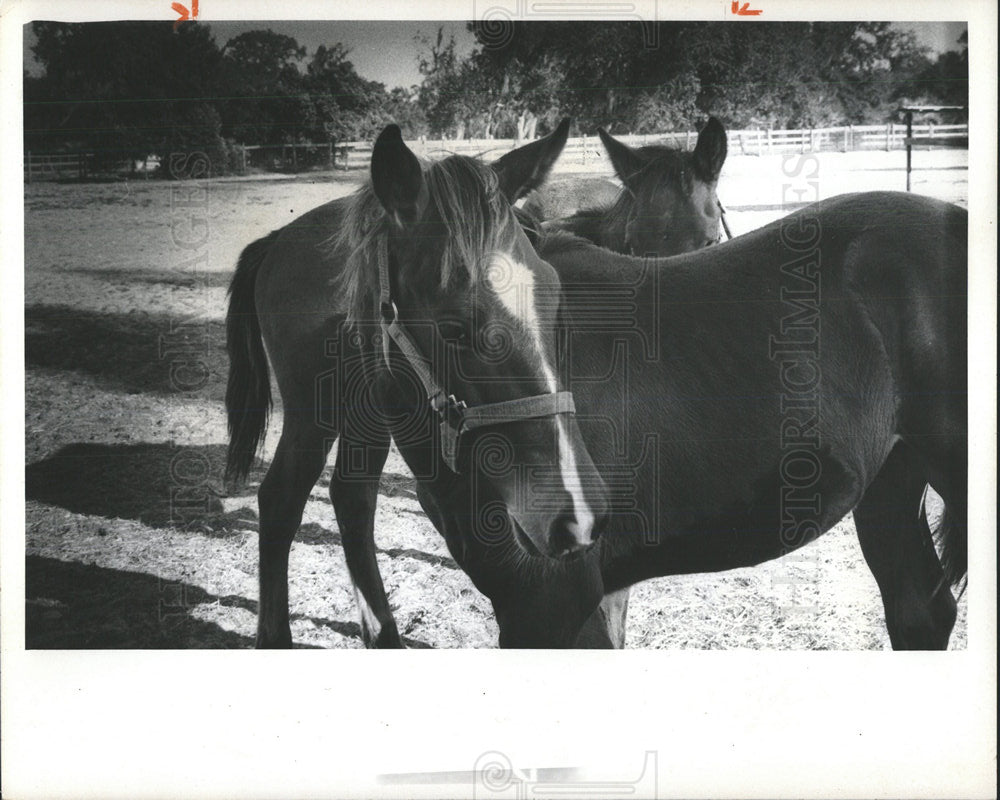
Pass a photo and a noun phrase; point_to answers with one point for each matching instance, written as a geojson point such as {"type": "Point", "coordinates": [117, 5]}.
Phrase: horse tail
{"type": "Point", "coordinates": [248, 390]}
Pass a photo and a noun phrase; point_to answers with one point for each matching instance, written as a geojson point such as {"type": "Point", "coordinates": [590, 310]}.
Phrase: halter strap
{"type": "Point", "coordinates": [722, 216]}
{"type": "Point", "coordinates": [455, 416]}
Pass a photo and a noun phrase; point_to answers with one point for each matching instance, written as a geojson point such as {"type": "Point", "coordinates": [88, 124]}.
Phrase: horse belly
{"type": "Point", "coordinates": [803, 498]}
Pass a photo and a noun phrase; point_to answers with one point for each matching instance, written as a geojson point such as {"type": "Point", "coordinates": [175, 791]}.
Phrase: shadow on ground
{"type": "Point", "coordinates": [169, 486]}
{"type": "Point", "coordinates": [134, 353]}
{"type": "Point", "coordinates": [81, 606]}
{"type": "Point", "coordinates": [189, 280]}
{"type": "Point", "coordinates": [161, 485]}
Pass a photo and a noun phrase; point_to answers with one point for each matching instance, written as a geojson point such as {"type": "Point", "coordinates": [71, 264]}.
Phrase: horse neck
{"type": "Point", "coordinates": [605, 226]}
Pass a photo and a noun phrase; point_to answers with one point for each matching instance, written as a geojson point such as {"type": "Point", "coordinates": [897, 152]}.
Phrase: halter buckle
{"type": "Point", "coordinates": [448, 406]}
{"type": "Point", "coordinates": [450, 411]}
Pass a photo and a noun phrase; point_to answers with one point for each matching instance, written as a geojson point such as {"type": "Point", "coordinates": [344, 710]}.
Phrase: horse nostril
{"type": "Point", "coordinates": [600, 524]}
{"type": "Point", "coordinates": [566, 535]}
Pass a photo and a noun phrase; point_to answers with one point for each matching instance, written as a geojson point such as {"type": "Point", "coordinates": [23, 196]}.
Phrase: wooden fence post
{"type": "Point", "coordinates": [585, 150]}
{"type": "Point", "coordinates": [888, 137]}
{"type": "Point", "coordinates": [770, 142]}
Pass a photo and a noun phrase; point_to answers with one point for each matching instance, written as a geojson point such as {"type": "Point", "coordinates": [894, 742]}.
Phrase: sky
{"type": "Point", "coordinates": [386, 51]}
{"type": "Point", "coordinates": [383, 51]}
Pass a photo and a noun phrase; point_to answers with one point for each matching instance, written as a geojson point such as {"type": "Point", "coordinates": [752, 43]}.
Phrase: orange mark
{"type": "Point", "coordinates": [185, 15]}
{"type": "Point", "coordinates": [744, 10]}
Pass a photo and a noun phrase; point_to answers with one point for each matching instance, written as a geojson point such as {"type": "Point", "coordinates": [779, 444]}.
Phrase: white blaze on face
{"type": "Point", "coordinates": [514, 285]}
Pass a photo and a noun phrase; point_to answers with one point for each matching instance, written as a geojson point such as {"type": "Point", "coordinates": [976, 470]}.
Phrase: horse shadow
{"type": "Point", "coordinates": [162, 485]}
{"type": "Point", "coordinates": [69, 605]}
{"type": "Point", "coordinates": [131, 353]}
{"type": "Point", "coordinates": [166, 485]}
{"type": "Point", "coordinates": [81, 606]}
{"type": "Point", "coordinates": [160, 277]}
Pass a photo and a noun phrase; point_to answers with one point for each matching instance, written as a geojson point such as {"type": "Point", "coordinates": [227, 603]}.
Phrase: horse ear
{"type": "Point", "coordinates": [710, 152]}
{"type": "Point", "coordinates": [522, 170]}
{"type": "Point", "coordinates": [397, 178]}
{"type": "Point", "coordinates": [626, 161]}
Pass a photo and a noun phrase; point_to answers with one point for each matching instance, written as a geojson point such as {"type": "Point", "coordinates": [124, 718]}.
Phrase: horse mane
{"type": "Point", "coordinates": [466, 196]}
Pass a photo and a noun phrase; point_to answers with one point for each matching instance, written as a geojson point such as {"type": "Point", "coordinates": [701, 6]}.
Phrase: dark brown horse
{"type": "Point", "coordinates": [743, 399]}
{"type": "Point", "coordinates": [410, 311]}
{"type": "Point", "coordinates": [754, 393]}
{"type": "Point", "coordinates": [667, 204]}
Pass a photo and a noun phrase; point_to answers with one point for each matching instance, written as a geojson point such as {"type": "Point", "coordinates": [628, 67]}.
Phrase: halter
{"type": "Point", "coordinates": [722, 216]}
{"type": "Point", "coordinates": [455, 417]}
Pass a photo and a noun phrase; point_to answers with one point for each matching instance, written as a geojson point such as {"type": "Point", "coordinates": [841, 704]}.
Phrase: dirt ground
{"type": "Point", "coordinates": [131, 538]}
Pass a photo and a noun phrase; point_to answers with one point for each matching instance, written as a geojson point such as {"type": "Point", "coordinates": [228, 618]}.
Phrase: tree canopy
{"type": "Point", "coordinates": [130, 89]}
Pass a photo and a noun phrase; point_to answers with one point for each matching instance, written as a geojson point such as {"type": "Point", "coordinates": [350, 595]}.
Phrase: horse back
{"type": "Point", "coordinates": [828, 331]}
{"type": "Point", "coordinates": [298, 284]}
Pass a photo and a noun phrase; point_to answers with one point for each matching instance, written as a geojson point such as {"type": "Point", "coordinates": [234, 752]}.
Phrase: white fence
{"type": "Point", "coordinates": [579, 151]}
{"type": "Point", "coordinates": [584, 149]}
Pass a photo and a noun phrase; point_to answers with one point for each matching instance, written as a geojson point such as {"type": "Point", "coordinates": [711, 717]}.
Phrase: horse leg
{"type": "Point", "coordinates": [354, 494]}
{"type": "Point", "coordinates": [920, 610]}
{"type": "Point", "coordinates": [298, 462]}
{"type": "Point", "coordinates": [614, 607]}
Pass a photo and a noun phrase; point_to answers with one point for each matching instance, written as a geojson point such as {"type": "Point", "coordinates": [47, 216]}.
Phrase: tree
{"type": "Point", "coordinates": [942, 82]}
{"type": "Point", "coordinates": [615, 75]}
{"type": "Point", "coordinates": [445, 95]}
{"type": "Point", "coordinates": [115, 89]}
{"type": "Point", "coordinates": [346, 105]}
{"type": "Point", "coordinates": [402, 107]}
{"type": "Point", "coordinates": [266, 98]}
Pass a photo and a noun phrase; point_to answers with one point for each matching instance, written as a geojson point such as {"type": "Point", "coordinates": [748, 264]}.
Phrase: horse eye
{"type": "Point", "coordinates": [454, 331]}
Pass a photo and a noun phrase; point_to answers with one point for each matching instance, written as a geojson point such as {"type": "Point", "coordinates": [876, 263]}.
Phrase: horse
{"type": "Point", "coordinates": [746, 397]}
{"type": "Point", "coordinates": [422, 287]}
{"type": "Point", "coordinates": [667, 204]}
{"type": "Point", "coordinates": [749, 469]}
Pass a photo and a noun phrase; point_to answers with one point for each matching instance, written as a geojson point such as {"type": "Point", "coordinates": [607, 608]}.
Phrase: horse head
{"type": "Point", "coordinates": [474, 316]}
{"type": "Point", "coordinates": [669, 200]}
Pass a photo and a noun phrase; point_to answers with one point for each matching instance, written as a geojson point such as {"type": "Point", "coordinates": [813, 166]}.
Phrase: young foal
{"type": "Point", "coordinates": [756, 392]}
{"type": "Point", "coordinates": [667, 205]}
{"type": "Point", "coordinates": [420, 321]}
